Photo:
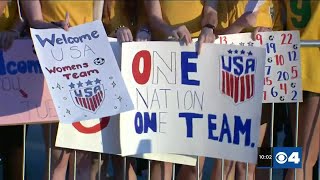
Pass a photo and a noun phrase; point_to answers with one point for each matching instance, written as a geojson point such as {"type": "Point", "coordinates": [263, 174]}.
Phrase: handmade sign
{"type": "Point", "coordinates": [91, 135]}
{"type": "Point", "coordinates": [186, 103]}
{"type": "Point", "coordinates": [81, 71]}
{"type": "Point", "coordinates": [24, 95]}
{"type": "Point", "coordinates": [104, 135]}
{"type": "Point", "coordinates": [282, 82]}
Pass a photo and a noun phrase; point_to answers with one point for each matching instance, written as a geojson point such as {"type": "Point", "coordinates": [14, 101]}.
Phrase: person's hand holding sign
{"type": "Point", "coordinates": [63, 24]}
{"type": "Point", "coordinates": [209, 22]}
{"type": "Point", "coordinates": [143, 34]}
{"type": "Point", "coordinates": [34, 15]}
{"type": "Point", "coordinates": [259, 29]}
{"type": "Point", "coordinates": [180, 33]}
{"type": "Point", "coordinates": [123, 34]}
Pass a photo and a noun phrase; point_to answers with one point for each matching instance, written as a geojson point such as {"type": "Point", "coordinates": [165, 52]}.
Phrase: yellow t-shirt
{"type": "Point", "coordinates": [229, 11]}
{"type": "Point", "coordinates": [8, 16]}
{"type": "Point", "coordinates": [304, 15]}
{"type": "Point", "coordinates": [55, 10]}
{"type": "Point", "coordinates": [177, 13]}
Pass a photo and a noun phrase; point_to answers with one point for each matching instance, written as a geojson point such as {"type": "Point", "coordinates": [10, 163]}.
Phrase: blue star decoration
{"type": "Point", "coordinates": [250, 43]}
{"type": "Point", "coordinates": [71, 85]}
{"type": "Point", "coordinates": [89, 82]}
{"type": "Point", "coordinates": [79, 84]}
{"type": "Point", "coordinates": [243, 52]}
{"type": "Point", "coordinates": [97, 81]}
{"type": "Point", "coordinates": [236, 51]}
{"type": "Point", "coordinates": [230, 51]}
{"type": "Point", "coordinates": [241, 44]}
{"type": "Point", "coordinates": [68, 111]}
{"type": "Point", "coordinates": [249, 53]}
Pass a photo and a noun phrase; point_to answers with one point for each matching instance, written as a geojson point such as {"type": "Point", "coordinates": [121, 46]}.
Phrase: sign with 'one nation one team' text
{"type": "Point", "coordinates": [186, 103]}
{"type": "Point", "coordinates": [104, 135]}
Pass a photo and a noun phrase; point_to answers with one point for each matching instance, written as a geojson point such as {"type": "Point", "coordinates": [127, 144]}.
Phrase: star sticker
{"type": "Point", "coordinates": [241, 44]}
{"type": "Point", "coordinates": [89, 82]}
{"type": "Point", "coordinates": [243, 52]}
{"type": "Point", "coordinates": [58, 86]}
{"type": "Point", "coordinates": [249, 53]}
{"type": "Point", "coordinates": [79, 84]}
{"type": "Point", "coordinates": [236, 51]}
{"type": "Point", "coordinates": [250, 43]}
{"type": "Point", "coordinates": [71, 85]}
{"type": "Point", "coordinates": [230, 51]}
{"type": "Point", "coordinates": [113, 84]}
{"type": "Point", "coordinates": [97, 81]}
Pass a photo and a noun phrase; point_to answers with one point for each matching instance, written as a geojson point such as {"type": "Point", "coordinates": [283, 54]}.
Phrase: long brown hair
{"type": "Point", "coordinates": [130, 9]}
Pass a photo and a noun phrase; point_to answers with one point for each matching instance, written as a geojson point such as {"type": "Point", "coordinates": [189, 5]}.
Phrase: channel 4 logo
{"type": "Point", "coordinates": [287, 157]}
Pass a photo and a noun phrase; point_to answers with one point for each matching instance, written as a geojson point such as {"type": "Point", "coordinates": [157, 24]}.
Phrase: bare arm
{"type": "Point", "coordinates": [19, 24]}
{"type": "Point", "coordinates": [33, 13]}
{"type": "Point", "coordinates": [210, 15]}
{"type": "Point", "coordinates": [208, 23]}
{"type": "Point", "coordinates": [156, 21]}
{"type": "Point", "coordinates": [247, 20]}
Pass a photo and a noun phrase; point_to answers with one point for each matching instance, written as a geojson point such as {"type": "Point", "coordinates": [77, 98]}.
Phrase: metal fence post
{"type": "Point", "coordinates": [24, 152]}
{"type": "Point", "coordinates": [271, 138]}
{"type": "Point", "coordinates": [49, 153]}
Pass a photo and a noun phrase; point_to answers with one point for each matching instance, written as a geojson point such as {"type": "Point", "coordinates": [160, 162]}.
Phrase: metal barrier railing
{"type": "Point", "coordinates": [303, 44]}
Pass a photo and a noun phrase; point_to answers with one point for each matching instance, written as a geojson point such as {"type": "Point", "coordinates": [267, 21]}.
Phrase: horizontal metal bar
{"type": "Point", "coordinates": [310, 43]}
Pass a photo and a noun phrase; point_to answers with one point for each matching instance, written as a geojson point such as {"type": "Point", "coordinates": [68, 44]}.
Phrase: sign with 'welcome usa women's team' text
{"type": "Point", "coordinates": [81, 71]}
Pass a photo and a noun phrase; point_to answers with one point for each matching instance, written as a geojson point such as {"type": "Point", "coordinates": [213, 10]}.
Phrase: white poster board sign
{"type": "Point", "coordinates": [185, 103]}
{"type": "Point", "coordinates": [282, 82]}
{"type": "Point", "coordinates": [81, 71]}
{"type": "Point", "coordinates": [104, 135]}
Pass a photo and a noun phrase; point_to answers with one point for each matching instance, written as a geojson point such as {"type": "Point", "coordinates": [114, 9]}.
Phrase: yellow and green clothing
{"type": "Point", "coordinates": [304, 15]}
{"type": "Point", "coordinates": [229, 11]}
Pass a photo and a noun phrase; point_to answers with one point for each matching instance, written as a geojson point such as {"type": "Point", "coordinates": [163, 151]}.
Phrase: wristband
{"type": "Point", "coordinates": [209, 26]}
{"type": "Point", "coordinates": [121, 26]}
{"type": "Point", "coordinates": [56, 24]}
{"type": "Point", "coordinates": [145, 30]}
